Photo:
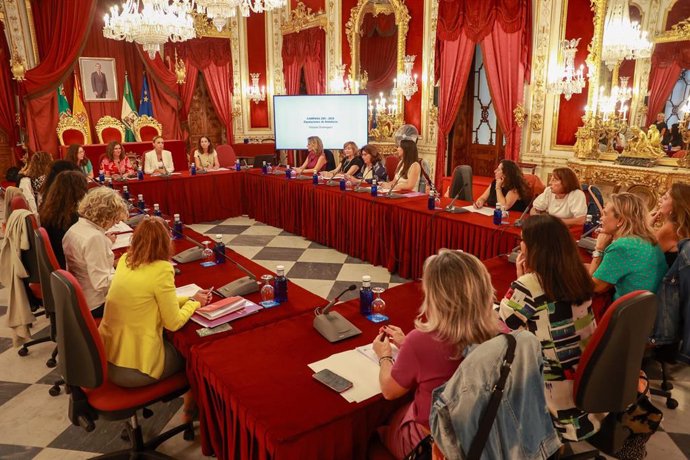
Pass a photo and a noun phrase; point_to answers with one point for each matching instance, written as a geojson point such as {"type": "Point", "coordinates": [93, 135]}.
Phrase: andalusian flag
{"type": "Point", "coordinates": [63, 105]}
{"type": "Point", "coordinates": [129, 109]}
{"type": "Point", "coordinates": [145, 105]}
{"type": "Point", "coordinates": [79, 111]}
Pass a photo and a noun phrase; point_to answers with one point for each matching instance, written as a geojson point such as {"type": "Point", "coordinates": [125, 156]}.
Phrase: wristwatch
{"type": "Point", "coordinates": [596, 253]}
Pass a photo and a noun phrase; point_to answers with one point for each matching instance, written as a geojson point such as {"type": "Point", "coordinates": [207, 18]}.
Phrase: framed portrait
{"type": "Point", "coordinates": [98, 79]}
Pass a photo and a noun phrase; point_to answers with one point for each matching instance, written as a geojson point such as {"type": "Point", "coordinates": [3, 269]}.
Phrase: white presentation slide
{"type": "Point", "coordinates": [336, 119]}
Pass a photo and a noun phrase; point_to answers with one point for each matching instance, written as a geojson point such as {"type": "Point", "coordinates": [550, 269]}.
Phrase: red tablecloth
{"type": "Point", "coordinates": [94, 152]}
{"type": "Point", "coordinates": [201, 198]}
{"type": "Point", "coordinates": [252, 150]}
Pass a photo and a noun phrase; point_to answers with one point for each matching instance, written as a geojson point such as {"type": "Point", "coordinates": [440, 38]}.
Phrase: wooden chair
{"type": "Point", "coordinates": [110, 129]}
{"type": "Point", "coordinates": [71, 130]}
{"type": "Point", "coordinates": [527, 168]}
{"type": "Point", "coordinates": [146, 128]}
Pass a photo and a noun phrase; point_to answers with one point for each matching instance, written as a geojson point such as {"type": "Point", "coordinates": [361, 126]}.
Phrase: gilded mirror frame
{"type": "Point", "coordinates": [353, 26]}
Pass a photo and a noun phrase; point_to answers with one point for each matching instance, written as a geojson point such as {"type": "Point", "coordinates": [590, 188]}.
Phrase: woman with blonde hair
{"type": "Point", "coordinates": [627, 255]}
{"type": "Point", "coordinates": [88, 248]}
{"type": "Point", "coordinates": [32, 176]}
{"type": "Point", "coordinates": [350, 163]}
{"type": "Point", "coordinates": [316, 159]}
{"type": "Point", "coordinates": [673, 211]}
{"type": "Point", "coordinates": [456, 312]}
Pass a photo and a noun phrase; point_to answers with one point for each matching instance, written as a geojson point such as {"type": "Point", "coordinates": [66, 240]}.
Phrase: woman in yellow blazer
{"type": "Point", "coordinates": [140, 303]}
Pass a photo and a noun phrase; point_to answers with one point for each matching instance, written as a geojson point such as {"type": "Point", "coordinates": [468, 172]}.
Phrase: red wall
{"type": "Point", "coordinates": [256, 61]}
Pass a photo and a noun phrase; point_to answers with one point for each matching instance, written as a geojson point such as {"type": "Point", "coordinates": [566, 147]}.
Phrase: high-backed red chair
{"type": "Point", "coordinates": [391, 164]}
{"type": "Point", "coordinates": [607, 376]}
{"type": "Point", "coordinates": [146, 128]}
{"type": "Point", "coordinates": [535, 184]}
{"type": "Point", "coordinates": [18, 202]}
{"type": "Point", "coordinates": [71, 130]}
{"type": "Point", "coordinates": [226, 155]}
{"type": "Point", "coordinates": [110, 129]}
{"type": "Point", "coordinates": [85, 369]}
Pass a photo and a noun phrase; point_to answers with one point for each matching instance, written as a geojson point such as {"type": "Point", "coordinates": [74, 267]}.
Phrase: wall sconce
{"type": "Point", "coordinates": [254, 93]}
{"type": "Point", "coordinates": [341, 85]}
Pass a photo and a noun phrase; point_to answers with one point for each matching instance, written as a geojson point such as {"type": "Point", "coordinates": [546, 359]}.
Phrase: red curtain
{"type": "Point", "coordinates": [70, 22]}
{"type": "Point", "coordinates": [7, 94]}
{"type": "Point", "coordinates": [661, 82]}
{"type": "Point", "coordinates": [456, 60]}
{"type": "Point", "coordinates": [219, 82]}
{"type": "Point", "coordinates": [164, 95]}
{"type": "Point", "coordinates": [505, 70]}
{"type": "Point", "coordinates": [304, 50]}
{"type": "Point", "coordinates": [477, 19]}
{"type": "Point", "coordinates": [378, 50]}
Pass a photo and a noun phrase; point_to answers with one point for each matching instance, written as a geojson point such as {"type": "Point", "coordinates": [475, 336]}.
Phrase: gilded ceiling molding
{"type": "Point", "coordinates": [302, 18]}
{"type": "Point", "coordinates": [205, 28]}
{"type": "Point", "coordinates": [429, 110]}
{"type": "Point", "coordinates": [538, 90]}
{"type": "Point", "coordinates": [678, 33]}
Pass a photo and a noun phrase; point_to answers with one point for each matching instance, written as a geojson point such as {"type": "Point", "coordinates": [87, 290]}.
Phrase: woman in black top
{"type": "Point", "coordinates": [59, 208]}
{"type": "Point", "coordinates": [508, 189]}
{"type": "Point", "coordinates": [350, 164]}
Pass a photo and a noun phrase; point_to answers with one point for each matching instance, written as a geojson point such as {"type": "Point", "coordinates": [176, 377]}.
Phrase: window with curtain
{"type": "Point", "coordinates": [483, 114]}
{"type": "Point", "coordinates": [678, 96]}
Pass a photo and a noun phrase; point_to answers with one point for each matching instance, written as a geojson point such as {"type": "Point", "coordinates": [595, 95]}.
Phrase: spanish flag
{"type": "Point", "coordinates": [79, 110]}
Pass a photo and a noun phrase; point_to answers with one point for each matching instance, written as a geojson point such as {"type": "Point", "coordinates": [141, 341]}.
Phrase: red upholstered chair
{"type": "Point", "coordinates": [18, 202]}
{"type": "Point", "coordinates": [110, 129]}
{"type": "Point", "coordinates": [146, 128]}
{"type": "Point", "coordinates": [607, 376]}
{"type": "Point", "coordinates": [226, 155]}
{"type": "Point", "coordinates": [535, 184]}
{"type": "Point", "coordinates": [391, 163]}
{"type": "Point", "coordinates": [85, 369]}
{"type": "Point", "coordinates": [71, 130]}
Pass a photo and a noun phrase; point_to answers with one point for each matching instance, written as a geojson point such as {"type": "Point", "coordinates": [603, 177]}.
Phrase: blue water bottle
{"type": "Point", "coordinates": [498, 215]}
{"type": "Point", "coordinates": [374, 187]}
{"type": "Point", "coordinates": [366, 296]}
{"type": "Point", "coordinates": [177, 227]}
{"type": "Point", "coordinates": [315, 179]}
{"type": "Point", "coordinates": [125, 192]}
{"type": "Point", "coordinates": [342, 184]}
{"type": "Point", "coordinates": [219, 250]}
{"type": "Point", "coordinates": [281, 285]}
{"type": "Point", "coordinates": [431, 201]}
{"type": "Point", "coordinates": [588, 224]}
{"type": "Point", "coordinates": [140, 174]}
{"type": "Point", "coordinates": [264, 168]}
{"type": "Point", "coordinates": [101, 176]}
{"type": "Point", "coordinates": [140, 202]}
{"type": "Point", "coordinates": [238, 167]}
{"type": "Point", "coordinates": [156, 210]}
{"type": "Point", "coordinates": [192, 169]}
{"type": "Point", "coordinates": [288, 173]}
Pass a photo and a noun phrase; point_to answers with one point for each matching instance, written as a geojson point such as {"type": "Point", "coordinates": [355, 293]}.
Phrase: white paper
{"type": "Point", "coordinates": [123, 240]}
{"type": "Point", "coordinates": [355, 367]}
{"type": "Point", "coordinates": [483, 211]}
{"type": "Point", "coordinates": [120, 227]}
{"type": "Point", "coordinates": [187, 290]}
{"type": "Point", "coordinates": [368, 351]}
{"type": "Point", "coordinates": [221, 169]}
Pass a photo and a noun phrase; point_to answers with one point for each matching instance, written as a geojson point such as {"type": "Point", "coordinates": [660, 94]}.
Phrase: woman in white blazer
{"type": "Point", "coordinates": [158, 161]}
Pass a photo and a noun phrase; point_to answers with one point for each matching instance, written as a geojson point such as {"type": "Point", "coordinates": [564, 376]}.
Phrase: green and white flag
{"type": "Point", "coordinates": [129, 110]}
{"type": "Point", "coordinates": [63, 104]}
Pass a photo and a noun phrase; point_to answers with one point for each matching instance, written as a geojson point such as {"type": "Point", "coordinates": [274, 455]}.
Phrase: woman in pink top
{"type": "Point", "coordinates": [456, 312]}
{"type": "Point", "coordinates": [316, 159]}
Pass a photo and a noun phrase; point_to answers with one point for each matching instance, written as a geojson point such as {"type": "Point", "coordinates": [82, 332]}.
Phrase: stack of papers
{"type": "Point", "coordinates": [486, 211]}
{"type": "Point", "coordinates": [221, 308]}
{"type": "Point", "coordinates": [188, 290]}
{"type": "Point", "coordinates": [227, 311]}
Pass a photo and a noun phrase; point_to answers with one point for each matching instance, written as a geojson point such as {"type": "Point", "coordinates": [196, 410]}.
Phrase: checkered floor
{"type": "Point", "coordinates": [35, 425]}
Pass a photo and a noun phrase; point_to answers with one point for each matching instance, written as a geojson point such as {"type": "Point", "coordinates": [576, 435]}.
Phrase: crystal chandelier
{"type": "Point", "coordinates": [567, 81]}
{"type": "Point", "coordinates": [254, 93]}
{"type": "Point", "coordinates": [158, 22]}
{"type": "Point", "coordinates": [623, 39]}
{"type": "Point", "coordinates": [220, 11]}
{"type": "Point", "coordinates": [341, 85]}
{"type": "Point", "coordinates": [406, 83]}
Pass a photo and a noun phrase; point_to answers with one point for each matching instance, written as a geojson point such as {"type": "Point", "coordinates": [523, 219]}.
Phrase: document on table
{"type": "Point", "coordinates": [355, 367]}
{"type": "Point", "coordinates": [123, 240]}
{"type": "Point", "coordinates": [485, 211]}
{"type": "Point", "coordinates": [120, 227]}
{"type": "Point", "coordinates": [188, 290]}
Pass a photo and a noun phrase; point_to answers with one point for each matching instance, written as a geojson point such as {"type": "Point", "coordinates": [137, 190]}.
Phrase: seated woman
{"type": "Point", "coordinates": [409, 171]}
{"type": "Point", "coordinates": [456, 312]}
{"type": "Point", "coordinates": [372, 165]}
{"type": "Point", "coordinates": [552, 298]}
{"type": "Point", "coordinates": [140, 304]}
{"type": "Point", "coordinates": [158, 161]}
{"type": "Point", "coordinates": [87, 247]}
{"type": "Point", "coordinates": [351, 162]}
{"type": "Point", "coordinates": [59, 208]}
{"type": "Point", "coordinates": [77, 155]}
{"type": "Point", "coordinates": [627, 255]}
{"type": "Point", "coordinates": [316, 159]}
{"type": "Point", "coordinates": [673, 213]}
{"type": "Point", "coordinates": [116, 164]}
{"type": "Point", "coordinates": [205, 155]}
{"type": "Point", "coordinates": [508, 189]}
{"type": "Point", "coordinates": [563, 198]}
{"type": "Point", "coordinates": [31, 178]}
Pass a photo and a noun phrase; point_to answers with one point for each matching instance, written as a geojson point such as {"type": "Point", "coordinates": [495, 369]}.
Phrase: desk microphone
{"type": "Point", "coordinates": [451, 206]}
{"type": "Point", "coordinates": [332, 325]}
{"type": "Point", "coordinates": [520, 221]}
{"type": "Point", "coordinates": [587, 242]}
{"type": "Point", "coordinates": [390, 191]}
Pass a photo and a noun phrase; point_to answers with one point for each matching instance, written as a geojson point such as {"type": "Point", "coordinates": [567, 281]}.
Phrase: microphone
{"type": "Point", "coordinates": [519, 222]}
{"type": "Point", "coordinates": [330, 305]}
{"type": "Point", "coordinates": [390, 191]}
{"type": "Point", "coordinates": [431, 185]}
{"type": "Point", "coordinates": [451, 206]}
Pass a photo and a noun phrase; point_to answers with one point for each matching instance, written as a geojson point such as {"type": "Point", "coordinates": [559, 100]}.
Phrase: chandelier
{"type": "Point", "coordinates": [254, 93]}
{"type": "Point", "coordinates": [158, 22]}
{"type": "Point", "coordinates": [406, 83]}
{"type": "Point", "coordinates": [567, 81]}
{"type": "Point", "coordinates": [341, 85]}
{"type": "Point", "coordinates": [220, 11]}
{"type": "Point", "coordinates": [623, 39]}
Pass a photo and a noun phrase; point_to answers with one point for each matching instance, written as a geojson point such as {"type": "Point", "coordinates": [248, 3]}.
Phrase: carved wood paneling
{"type": "Point", "coordinates": [203, 120]}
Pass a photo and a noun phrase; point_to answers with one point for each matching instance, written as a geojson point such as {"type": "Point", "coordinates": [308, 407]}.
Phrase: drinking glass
{"type": "Point", "coordinates": [207, 252]}
{"type": "Point", "coordinates": [267, 290]}
{"type": "Point", "coordinates": [378, 305]}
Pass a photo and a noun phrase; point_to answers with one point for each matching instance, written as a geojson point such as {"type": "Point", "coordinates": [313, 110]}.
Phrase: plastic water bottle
{"type": "Point", "coordinates": [315, 178]}
{"type": "Point", "coordinates": [269, 169]}
{"type": "Point", "coordinates": [219, 249]}
{"type": "Point", "coordinates": [177, 227]}
{"type": "Point", "coordinates": [140, 202]}
{"type": "Point", "coordinates": [281, 285]}
{"type": "Point", "coordinates": [264, 168]}
{"type": "Point", "coordinates": [192, 169]}
{"type": "Point", "coordinates": [238, 167]}
{"type": "Point", "coordinates": [366, 296]}
{"type": "Point", "coordinates": [288, 173]}
{"type": "Point", "coordinates": [342, 184]}
{"type": "Point", "coordinates": [431, 201]}
{"type": "Point", "coordinates": [125, 192]}
{"type": "Point", "coordinates": [498, 215]}
{"type": "Point", "coordinates": [101, 176]}
{"type": "Point", "coordinates": [374, 187]}
{"type": "Point", "coordinates": [588, 224]}
{"type": "Point", "coordinates": [156, 210]}
{"type": "Point", "coordinates": [140, 174]}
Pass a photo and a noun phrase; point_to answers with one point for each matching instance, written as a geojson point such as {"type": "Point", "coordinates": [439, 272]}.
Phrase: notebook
{"type": "Point", "coordinates": [222, 307]}
{"type": "Point", "coordinates": [247, 308]}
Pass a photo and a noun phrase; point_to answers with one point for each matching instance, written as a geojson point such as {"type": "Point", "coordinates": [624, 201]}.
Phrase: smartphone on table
{"type": "Point", "coordinates": [333, 380]}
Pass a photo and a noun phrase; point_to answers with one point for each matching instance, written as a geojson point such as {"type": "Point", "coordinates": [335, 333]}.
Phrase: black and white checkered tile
{"type": "Point", "coordinates": [35, 425]}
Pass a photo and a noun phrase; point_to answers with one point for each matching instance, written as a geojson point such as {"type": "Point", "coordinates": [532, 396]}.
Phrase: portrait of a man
{"type": "Point", "coordinates": [98, 79]}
